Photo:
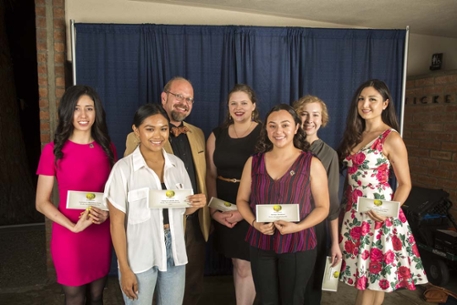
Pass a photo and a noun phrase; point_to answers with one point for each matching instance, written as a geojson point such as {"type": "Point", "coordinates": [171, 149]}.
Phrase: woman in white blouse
{"type": "Point", "coordinates": [149, 243]}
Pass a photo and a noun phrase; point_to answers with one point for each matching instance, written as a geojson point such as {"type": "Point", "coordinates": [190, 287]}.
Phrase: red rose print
{"type": "Point", "coordinates": [356, 194]}
{"type": "Point", "coordinates": [355, 233]}
{"type": "Point", "coordinates": [365, 254]}
{"type": "Point", "coordinates": [356, 251]}
{"type": "Point", "coordinates": [384, 284]}
{"type": "Point", "coordinates": [401, 216]}
{"type": "Point", "coordinates": [375, 267]}
{"type": "Point", "coordinates": [382, 174]}
{"type": "Point", "coordinates": [389, 257]}
{"type": "Point", "coordinates": [352, 170]}
{"type": "Point", "coordinates": [401, 284]}
{"type": "Point", "coordinates": [349, 246]}
{"type": "Point", "coordinates": [404, 273]}
{"type": "Point", "coordinates": [415, 250]}
{"type": "Point", "coordinates": [376, 255]}
{"type": "Point", "coordinates": [361, 283]}
{"type": "Point", "coordinates": [358, 159]}
{"type": "Point", "coordinates": [350, 281]}
{"type": "Point", "coordinates": [377, 145]}
{"type": "Point", "coordinates": [365, 228]}
{"type": "Point", "coordinates": [396, 242]}
{"type": "Point", "coordinates": [411, 239]}
{"type": "Point", "coordinates": [378, 225]}
{"type": "Point", "coordinates": [388, 222]}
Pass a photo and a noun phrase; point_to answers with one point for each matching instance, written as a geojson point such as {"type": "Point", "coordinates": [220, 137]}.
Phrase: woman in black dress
{"type": "Point", "coordinates": [228, 147]}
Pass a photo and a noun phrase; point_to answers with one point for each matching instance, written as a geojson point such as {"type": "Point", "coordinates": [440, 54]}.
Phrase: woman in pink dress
{"type": "Point", "coordinates": [80, 159]}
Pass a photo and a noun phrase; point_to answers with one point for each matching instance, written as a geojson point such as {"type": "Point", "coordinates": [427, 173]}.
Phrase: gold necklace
{"type": "Point", "coordinates": [244, 133]}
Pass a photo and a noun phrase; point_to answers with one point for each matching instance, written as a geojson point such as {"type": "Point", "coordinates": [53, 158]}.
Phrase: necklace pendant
{"type": "Point", "coordinates": [91, 145]}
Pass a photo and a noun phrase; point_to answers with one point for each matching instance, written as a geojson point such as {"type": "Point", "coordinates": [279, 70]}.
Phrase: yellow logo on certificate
{"type": "Point", "coordinates": [90, 196]}
{"type": "Point", "coordinates": [377, 202]}
{"type": "Point", "coordinates": [277, 207]}
{"type": "Point", "coordinates": [169, 194]}
{"type": "Point", "coordinates": [336, 274]}
{"type": "Point", "coordinates": [227, 204]}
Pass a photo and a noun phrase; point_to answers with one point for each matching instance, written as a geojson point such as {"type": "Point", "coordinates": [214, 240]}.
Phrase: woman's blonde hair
{"type": "Point", "coordinates": [308, 99]}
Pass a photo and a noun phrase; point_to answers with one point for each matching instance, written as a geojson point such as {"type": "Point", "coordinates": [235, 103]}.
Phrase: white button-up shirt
{"type": "Point", "coordinates": [127, 190]}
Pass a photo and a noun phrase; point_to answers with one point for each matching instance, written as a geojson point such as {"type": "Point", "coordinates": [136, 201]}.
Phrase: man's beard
{"type": "Point", "coordinates": [178, 117]}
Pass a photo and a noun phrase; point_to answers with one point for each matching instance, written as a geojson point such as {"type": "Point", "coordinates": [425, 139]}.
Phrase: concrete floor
{"type": "Point", "coordinates": [23, 278]}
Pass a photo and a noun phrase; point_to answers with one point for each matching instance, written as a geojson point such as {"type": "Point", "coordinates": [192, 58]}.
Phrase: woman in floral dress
{"type": "Point", "coordinates": [379, 254]}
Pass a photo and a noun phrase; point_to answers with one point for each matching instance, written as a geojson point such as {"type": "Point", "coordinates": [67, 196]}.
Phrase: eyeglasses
{"type": "Point", "coordinates": [181, 98]}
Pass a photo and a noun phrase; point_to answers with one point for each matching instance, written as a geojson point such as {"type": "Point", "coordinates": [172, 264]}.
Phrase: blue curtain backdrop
{"type": "Point", "coordinates": [129, 65]}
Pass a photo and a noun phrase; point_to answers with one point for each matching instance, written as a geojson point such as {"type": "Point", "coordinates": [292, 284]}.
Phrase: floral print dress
{"type": "Point", "coordinates": [379, 256]}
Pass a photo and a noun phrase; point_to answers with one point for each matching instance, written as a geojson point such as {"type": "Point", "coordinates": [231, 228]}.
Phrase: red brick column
{"type": "Point", "coordinates": [51, 54]}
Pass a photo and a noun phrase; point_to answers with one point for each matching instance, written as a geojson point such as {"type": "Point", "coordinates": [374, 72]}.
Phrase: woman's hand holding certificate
{"type": "Point", "coordinates": [98, 216]}
{"type": "Point", "coordinates": [83, 222]}
{"type": "Point", "coordinates": [285, 227]}
{"type": "Point", "coordinates": [197, 200]}
{"type": "Point", "coordinates": [378, 209]}
{"type": "Point", "coordinates": [273, 212]}
{"type": "Point", "coordinates": [169, 199]}
{"type": "Point", "coordinates": [267, 228]}
{"type": "Point", "coordinates": [82, 200]}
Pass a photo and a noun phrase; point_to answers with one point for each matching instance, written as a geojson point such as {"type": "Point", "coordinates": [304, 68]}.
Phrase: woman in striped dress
{"type": "Point", "coordinates": [284, 171]}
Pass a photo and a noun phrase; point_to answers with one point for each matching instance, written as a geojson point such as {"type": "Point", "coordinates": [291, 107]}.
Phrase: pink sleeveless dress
{"type": "Point", "coordinates": [79, 258]}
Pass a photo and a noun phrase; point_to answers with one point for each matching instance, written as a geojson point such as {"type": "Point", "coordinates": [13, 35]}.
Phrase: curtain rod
{"type": "Point", "coordinates": [403, 90]}
{"type": "Point", "coordinates": [73, 50]}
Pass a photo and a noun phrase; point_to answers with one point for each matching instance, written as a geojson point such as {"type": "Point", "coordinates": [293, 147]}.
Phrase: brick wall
{"type": "Point", "coordinates": [51, 54]}
{"type": "Point", "coordinates": [430, 131]}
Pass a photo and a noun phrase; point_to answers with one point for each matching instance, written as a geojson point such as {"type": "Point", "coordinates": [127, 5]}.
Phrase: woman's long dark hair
{"type": "Point", "coordinates": [264, 144]}
{"type": "Point", "coordinates": [250, 92]}
{"type": "Point", "coordinates": [99, 130]}
{"type": "Point", "coordinates": [355, 124]}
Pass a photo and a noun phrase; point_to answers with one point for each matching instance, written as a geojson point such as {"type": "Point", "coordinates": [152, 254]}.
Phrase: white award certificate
{"type": "Point", "coordinates": [221, 205]}
{"type": "Point", "coordinates": [169, 199]}
{"type": "Point", "coordinates": [272, 212]}
{"type": "Point", "coordinates": [331, 275]}
{"type": "Point", "coordinates": [379, 206]}
{"type": "Point", "coordinates": [82, 200]}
